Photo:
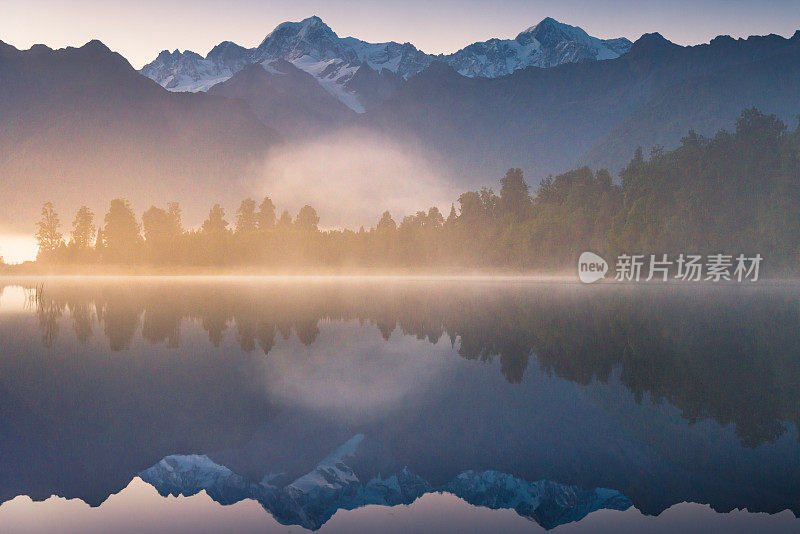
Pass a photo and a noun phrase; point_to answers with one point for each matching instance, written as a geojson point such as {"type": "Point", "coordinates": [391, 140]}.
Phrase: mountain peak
{"type": "Point", "coordinates": [312, 46]}
{"type": "Point", "coordinates": [7, 48]}
{"type": "Point", "coordinates": [8, 51]}
{"type": "Point", "coordinates": [96, 45]}
{"type": "Point", "coordinates": [546, 23]}
{"type": "Point", "coordinates": [303, 29]}
{"type": "Point", "coordinates": [227, 51]}
{"type": "Point", "coordinates": [650, 43]}
{"type": "Point", "coordinates": [40, 48]}
{"type": "Point", "coordinates": [313, 23]}
{"type": "Point", "coordinates": [550, 32]}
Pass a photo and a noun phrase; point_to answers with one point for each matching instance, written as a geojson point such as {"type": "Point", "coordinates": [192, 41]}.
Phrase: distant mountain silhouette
{"type": "Point", "coordinates": [286, 98]}
{"type": "Point", "coordinates": [592, 112]}
{"type": "Point", "coordinates": [80, 125]}
{"type": "Point", "coordinates": [709, 101]}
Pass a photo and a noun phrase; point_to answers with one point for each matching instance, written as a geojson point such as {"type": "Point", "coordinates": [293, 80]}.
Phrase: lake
{"type": "Point", "coordinates": [397, 405]}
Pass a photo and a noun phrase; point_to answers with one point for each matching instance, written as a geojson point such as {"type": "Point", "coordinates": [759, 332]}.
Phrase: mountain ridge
{"type": "Point", "coordinates": [548, 120]}
{"type": "Point", "coordinates": [83, 119]}
{"type": "Point", "coordinates": [355, 475]}
{"type": "Point", "coordinates": [313, 46]}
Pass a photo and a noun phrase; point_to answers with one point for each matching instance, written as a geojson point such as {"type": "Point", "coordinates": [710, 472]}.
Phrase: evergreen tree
{"type": "Point", "coordinates": [121, 234]}
{"type": "Point", "coordinates": [215, 236]}
{"type": "Point", "coordinates": [307, 219]}
{"type": "Point", "coordinates": [48, 236]}
{"type": "Point", "coordinates": [175, 217]}
{"type": "Point", "coordinates": [451, 218]}
{"type": "Point", "coordinates": [216, 223]}
{"type": "Point", "coordinates": [83, 229]}
{"type": "Point", "coordinates": [265, 218]}
{"type": "Point", "coordinates": [515, 201]}
{"type": "Point", "coordinates": [246, 217]}
{"type": "Point", "coordinates": [162, 233]}
{"type": "Point", "coordinates": [386, 224]}
{"type": "Point", "coordinates": [285, 221]}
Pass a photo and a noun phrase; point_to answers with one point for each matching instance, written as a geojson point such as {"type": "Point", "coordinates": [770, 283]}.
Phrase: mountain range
{"type": "Point", "coordinates": [81, 125]}
{"type": "Point", "coordinates": [335, 62]}
{"type": "Point", "coordinates": [541, 101]}
{"type": "Point", "coordinates": [357, 474]}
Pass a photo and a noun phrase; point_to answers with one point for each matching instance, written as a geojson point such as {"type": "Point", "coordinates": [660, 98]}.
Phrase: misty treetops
{"type": "Point", "coordinates": [737, 191]}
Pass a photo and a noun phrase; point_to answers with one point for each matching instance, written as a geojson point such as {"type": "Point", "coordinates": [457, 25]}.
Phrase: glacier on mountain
{"type": "Point", "coordinates": [314, 47]}
{"type": "Point", "coordinates": [336, 484]}
{"type": "Point", "coordinates": [548, 44]}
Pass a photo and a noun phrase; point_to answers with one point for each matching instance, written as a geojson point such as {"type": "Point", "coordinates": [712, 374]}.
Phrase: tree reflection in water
{"type": "Point", "coordinates": [727, 353]}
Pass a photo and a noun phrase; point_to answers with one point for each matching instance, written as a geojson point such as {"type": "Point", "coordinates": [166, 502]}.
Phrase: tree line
{"type": "Point", "coordinates": [735, 192]}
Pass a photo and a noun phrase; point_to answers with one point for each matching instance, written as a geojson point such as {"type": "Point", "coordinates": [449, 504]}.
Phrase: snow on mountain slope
{"type": "Point", "coordinates": [190, 72]}
{"type": "Point", "coordinates": [331, 472]}
{"type": "Point", "coordinates": [548, 44]}
{"type": "Point", "coordinates": [548, 503]}
{"type": "Point", "coordinates": [188, 475]}
{"type": "Point", "coordinates": [315, 48]}
{"type": "Point", "coordinates": [334, 484]}
{"type": "Point", "coordinates": [333, 74]}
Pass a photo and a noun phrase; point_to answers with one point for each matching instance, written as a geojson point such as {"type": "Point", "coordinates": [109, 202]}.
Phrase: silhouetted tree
{"type": "Point", "coordinates": [246, 217]}
{"type": "Point", "coordinates": [215, 234]}
{"type": "Point", "coordinates": [83, 229]}
{"type": "Point", "coordinates": [307, 219]}
{"type": "Point", "coordinates": [386, 224]}
{"type": "Point", "coordinates": [80, 248]}
{"type": "Point", "coordinates": [48, 236]}
{"type": "Point", "coordinates": [122, 240]}
{"type": "Point", "coordinates": [162, 233]}
{"type": "Point", "coordinates": [514, 198]}
{"type": "Point", "coordinates": [285, 220]}
{"type": "Point", "coordinates": [735, 192]}
{"type": "Point", "coordinates": [265, 218]}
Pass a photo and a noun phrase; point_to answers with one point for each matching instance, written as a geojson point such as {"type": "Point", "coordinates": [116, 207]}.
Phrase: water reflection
{"type": "Point", "coordinates": [246, 389]}
{"type": "Point", "coordinates": [729, 355]}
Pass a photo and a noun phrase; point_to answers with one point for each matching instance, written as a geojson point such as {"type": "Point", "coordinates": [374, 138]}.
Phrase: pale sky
{"type": "Point", "coordinates": [139, 30]}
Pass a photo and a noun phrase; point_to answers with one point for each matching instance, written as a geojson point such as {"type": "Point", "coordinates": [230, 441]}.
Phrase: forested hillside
{"type": "Point", "coordinates": [736, 192]}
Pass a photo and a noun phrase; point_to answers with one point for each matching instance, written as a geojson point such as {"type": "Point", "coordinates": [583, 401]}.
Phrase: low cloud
{"type": "Point", "coordinates": [352, 176]}
{"type": "Point", "coordinates": [366, 375]}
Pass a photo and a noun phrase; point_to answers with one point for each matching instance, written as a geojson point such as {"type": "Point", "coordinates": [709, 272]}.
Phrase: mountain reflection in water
{"type": "Point", "coordinates": [314, 396]}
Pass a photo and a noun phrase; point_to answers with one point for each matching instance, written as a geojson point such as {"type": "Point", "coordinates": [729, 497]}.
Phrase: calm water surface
{"type": "Point", "coordinates": [275, 405]}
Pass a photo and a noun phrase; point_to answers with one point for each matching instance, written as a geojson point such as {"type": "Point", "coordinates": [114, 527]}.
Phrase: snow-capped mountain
{"type": "Point", "coordinates": [548, 503]}
{"type": "Point", "coordinates": [548, 44]}
{"type": "Point", "coordinates": [189, 71]}
{"type": "Point", "coordinates": [339, 482]}
{"type": "Point", "coordinates": [334, 61]}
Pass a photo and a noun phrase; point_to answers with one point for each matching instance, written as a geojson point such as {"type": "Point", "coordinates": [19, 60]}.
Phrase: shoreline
{"type": "Point", "coordinates": [530, 278]}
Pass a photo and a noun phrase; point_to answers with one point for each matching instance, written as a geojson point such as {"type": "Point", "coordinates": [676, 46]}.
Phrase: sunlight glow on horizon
{"type": "Point", "coordinates": [18, 248]}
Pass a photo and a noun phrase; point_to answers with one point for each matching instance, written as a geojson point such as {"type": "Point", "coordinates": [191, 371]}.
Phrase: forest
{"type": "Point", "coordinates": [735, 192]}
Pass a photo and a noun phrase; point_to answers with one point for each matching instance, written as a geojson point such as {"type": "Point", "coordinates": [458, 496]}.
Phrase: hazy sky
{"type": "Point", "coordinates": [140, 29]}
